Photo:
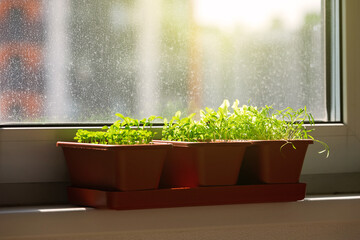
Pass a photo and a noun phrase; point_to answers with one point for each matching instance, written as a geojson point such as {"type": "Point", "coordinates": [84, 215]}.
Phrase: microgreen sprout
{"type": "Point", "coordinates": [124, 131]}
{"type": "Point", "coordinates": [241, 123]}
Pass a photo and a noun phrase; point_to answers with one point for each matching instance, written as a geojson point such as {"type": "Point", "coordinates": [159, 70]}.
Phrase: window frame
{"type": "Point", "coordinates": [333, 59]}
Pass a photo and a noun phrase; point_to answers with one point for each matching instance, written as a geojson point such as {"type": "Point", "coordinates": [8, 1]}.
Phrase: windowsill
{"type": "Point", "coordinates": [315, 215]}
{"type": "Point", "coordinates": [72, 208]}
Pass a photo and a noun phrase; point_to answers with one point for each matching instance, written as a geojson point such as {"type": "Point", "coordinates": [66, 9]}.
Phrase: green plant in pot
{"type": "Point", "coordinates": [204, 152]}
{"type": "Point", "coordinates": [122, 157]}
{"type": "Point", "coordinates": [280, 141]}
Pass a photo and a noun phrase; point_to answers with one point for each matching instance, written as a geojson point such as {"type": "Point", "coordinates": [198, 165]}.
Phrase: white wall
{"type": "Point", "coordinates": [320, 220]}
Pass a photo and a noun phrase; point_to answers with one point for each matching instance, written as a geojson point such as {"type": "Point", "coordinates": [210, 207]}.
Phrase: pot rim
{"type": "Point", "coordinates": [107, 147]}
{"type": "Point", "coordinates": [307, 141]}
{"type": "Point", "coordinates": [197, 144]}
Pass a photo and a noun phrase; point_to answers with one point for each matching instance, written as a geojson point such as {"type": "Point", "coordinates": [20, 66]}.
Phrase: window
{"type": "Point", "coordinates": [55, 65]}
{"type": "Point", "coordinates": [79, 61]}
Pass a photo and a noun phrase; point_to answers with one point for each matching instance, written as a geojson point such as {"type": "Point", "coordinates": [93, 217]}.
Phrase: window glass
{"type": "Point", "coordinates": [69, 61]}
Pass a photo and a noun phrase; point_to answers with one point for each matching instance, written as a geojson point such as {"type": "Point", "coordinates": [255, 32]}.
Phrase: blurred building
{"type": "Point", "coordinates": [21, 59]}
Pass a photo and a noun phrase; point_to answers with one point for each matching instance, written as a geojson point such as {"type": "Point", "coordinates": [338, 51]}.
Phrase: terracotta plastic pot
{"type": "Point", "coordinates": [115, 167]}
{"type": "Point", "coordinates": [273, 162]}
{"type": "Point", "coordinates": [194, 164]}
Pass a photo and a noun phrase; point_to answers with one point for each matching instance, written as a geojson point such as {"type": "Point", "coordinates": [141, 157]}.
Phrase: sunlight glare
{"type": "Point", "coordinates": [254, 14]}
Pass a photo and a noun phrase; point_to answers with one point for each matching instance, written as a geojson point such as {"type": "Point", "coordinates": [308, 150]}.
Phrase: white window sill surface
{"type": "Point", "coordinates": [317, 217]}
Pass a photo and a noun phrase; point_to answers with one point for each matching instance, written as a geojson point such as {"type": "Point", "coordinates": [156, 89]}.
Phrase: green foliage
{"type": "Point", "coordinates": [225, 124]}
{"type": "Point", "coordinates": [124, 131]}
{"type": "Point", "coordinates": [242, 123]}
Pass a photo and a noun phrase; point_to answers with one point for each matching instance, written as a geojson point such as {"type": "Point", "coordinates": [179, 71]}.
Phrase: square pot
{"type": "Point", "coordinates": [194, 164]}
{"type": "Point", "coordinates": [273, 161]}
{"type": "Point", "coordinates": [115, 167]}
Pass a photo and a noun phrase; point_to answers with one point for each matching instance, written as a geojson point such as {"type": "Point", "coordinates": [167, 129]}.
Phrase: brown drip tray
{"type": "Point", "coordinates": [182, 197]}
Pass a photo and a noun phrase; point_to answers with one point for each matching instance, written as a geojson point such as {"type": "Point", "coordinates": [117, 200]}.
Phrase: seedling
{"type": "Point", "coordinates": [242, 123]}
{"type": "Point", "coordinates": [124, 131]}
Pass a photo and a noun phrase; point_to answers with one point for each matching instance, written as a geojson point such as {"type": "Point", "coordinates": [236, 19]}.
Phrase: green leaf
{"type": "Point", "coordinates": [120, 115]}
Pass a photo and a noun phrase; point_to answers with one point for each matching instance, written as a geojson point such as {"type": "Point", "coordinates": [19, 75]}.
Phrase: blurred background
{"type": "Point", "coordinates": [72, 61]}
